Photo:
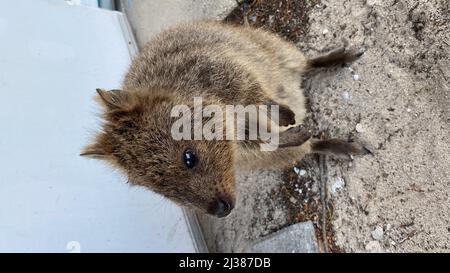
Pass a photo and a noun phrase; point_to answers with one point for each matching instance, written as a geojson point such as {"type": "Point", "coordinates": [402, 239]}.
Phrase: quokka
{"type": "Point", "coordinates": [224, 65]}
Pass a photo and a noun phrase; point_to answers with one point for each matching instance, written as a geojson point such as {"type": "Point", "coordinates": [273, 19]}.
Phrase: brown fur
{"type": "Point", "coordinates": [222, 64]}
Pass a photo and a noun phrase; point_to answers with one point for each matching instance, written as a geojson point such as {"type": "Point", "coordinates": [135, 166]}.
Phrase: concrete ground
{"type": "Point", "coordinates": [396, 99]}
{"type": "Point", "coordinates": [148, 18]}
{"type": "Point", "coordinates": [298, 238]}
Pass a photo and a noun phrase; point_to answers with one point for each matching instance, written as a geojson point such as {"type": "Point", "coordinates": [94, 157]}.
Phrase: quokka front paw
{"type": "Point", "coordinates": [286, 116]}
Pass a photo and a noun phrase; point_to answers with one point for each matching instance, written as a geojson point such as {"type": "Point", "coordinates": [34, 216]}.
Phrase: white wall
{"type": "Point", "coordinates": [52, 57]}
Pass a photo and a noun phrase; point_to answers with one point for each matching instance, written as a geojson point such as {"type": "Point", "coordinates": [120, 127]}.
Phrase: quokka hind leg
{"type": "Point", "coordinates": [338, 147]}
{"type": "Point", "coordinates": [299, 135]}
{"type": "Point", "coordinates": [335, 57]}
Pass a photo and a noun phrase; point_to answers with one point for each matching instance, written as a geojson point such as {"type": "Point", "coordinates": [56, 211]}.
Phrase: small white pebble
{"type": "Point", "coordinates": [293, 200]}
{"type": "Point", "coordinates": [370, 3]}
{"type": "Point", "coordinates": [346, 95]}
{"type": "Point", "coordinates": [408, 110]}
{"type": "Point", "coordinates": [338, 184]}
{"type": "Point", "coordinates": [359, 128]}
{"type": "Point", "coordinates": [356, 77]}
{"type": "Point", "coordinates": [377, 233]}
{"type": "Point", "coordinates": [374, 247]}
{"type": "Point", "coordinates": [299, 172]}
{"type": "Point", "coordinates": [325, 31]}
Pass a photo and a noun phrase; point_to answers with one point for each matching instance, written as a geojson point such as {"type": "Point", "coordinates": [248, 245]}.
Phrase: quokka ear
{"type": "Point", "coordinates": [92, 152]}
{"type": "Point", "coordinates": [95, 151]}
{"type": "Point", "coordinates": [113, 99]}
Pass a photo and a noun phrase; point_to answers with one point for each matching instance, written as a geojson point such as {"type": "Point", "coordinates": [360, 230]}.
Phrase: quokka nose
{"type": "Point", "coordinates": [221, 207]}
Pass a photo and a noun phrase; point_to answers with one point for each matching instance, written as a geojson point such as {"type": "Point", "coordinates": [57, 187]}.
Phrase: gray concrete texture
{"type": "Point", "coordinates": [298, 238]}
{"type": "Point", "coordinates": [148, 17]}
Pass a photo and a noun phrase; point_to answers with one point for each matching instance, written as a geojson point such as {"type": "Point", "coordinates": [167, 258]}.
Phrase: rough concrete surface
{"type": "Point", "coordinates": [149, 17]}
{"type": "Point", "coordinates": [396, 99]}
{"type": "Point", "coordinates": [298, 238]}
{"type": "Point", "coordinates": [256, 215]}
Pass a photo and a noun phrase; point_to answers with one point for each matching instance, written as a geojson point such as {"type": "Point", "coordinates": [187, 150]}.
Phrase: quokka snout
{"type": "Point", "coordinates": [223, 65]}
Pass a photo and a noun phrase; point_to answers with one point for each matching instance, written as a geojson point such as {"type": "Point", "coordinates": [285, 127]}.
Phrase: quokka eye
{"type": "Point", "coordinates": [189, 158]}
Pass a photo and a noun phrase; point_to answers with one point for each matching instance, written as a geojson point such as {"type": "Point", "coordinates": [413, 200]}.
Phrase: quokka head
{"type": "Point", "coordinates": [136, 138]}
